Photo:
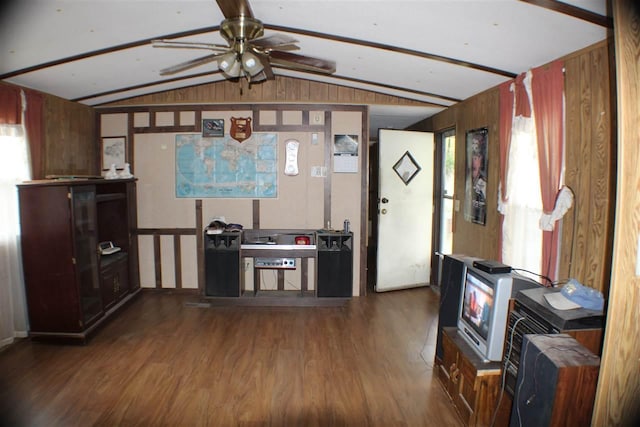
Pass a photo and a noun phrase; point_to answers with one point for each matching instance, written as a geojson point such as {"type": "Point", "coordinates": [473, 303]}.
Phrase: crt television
{"type": "Point", "coordinates": [484, 309]}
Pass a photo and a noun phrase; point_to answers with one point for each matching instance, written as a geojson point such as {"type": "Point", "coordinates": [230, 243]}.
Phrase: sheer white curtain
{"type": "Point", "coordinates": [521, 235]}
{"type": "Point", "coordinates": [14, 168]}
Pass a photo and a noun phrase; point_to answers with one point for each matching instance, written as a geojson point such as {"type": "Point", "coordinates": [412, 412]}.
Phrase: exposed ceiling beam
{"type": "Point", "coordinates": [105, 51]}
{"type": "Point", "coordinates": [390, 48]}
{"type": "Point", "coordinates": [145, 85]}
{"type": "Point", "coordinates": [576, 12]}
{"type": "Point", "coordinates": [212, 73]}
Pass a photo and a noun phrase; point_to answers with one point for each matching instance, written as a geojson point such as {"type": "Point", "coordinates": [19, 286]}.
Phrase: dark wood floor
{"type": "Point", "coordinates": [164, 361]}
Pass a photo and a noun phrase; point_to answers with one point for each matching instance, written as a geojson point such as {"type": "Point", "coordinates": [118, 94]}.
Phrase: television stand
{"type": "Point", "coordinates": [472, 384]}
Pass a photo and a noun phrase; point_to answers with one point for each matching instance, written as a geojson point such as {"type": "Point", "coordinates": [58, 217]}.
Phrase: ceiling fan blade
{"type": "Point", "coordinates": [235, 8]}
{"type": "Point", "coordinates": [261, 77]}
{"type": "Point", "coordinates": [188, 45]}
{"type": "Point", "coordinates": [276, 41]}
{"type": "Point", "coordinates": [190, 64]}
{"type": "Point", "coordinates": [301, 62]}
{"type": "Point", "coordinates": [267, 73]}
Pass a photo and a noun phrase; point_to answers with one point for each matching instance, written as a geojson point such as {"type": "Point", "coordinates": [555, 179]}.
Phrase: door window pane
{"type": "Point", "coordinates": [446, 234]}
{"type": "Point", "coordinates": [448, 181]}
{"type": "Point", "coordinates": [449, 143]}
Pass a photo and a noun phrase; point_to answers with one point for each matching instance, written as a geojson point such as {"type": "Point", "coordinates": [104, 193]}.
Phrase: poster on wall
{"type": "Point", "coordinates": [345, 153]}
{"type": "Point", "coordinates": [225, 168]}
{"type": "Point", "coordinates": [475, 206]}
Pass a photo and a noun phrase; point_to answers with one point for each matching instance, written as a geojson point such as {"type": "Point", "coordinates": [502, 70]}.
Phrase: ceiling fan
{"type": "Point", "coordinates": [248, 54]}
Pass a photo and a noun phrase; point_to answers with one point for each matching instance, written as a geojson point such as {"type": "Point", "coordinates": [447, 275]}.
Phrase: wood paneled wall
{"type": "Point", "coordinates": [473, 113]}
{"type": "Point", "coordinates": [590, 170]}
{"type": "Point", "coordinates": [69, 138]}
{"type": "Point", "coordinates": [618, 395]}
{"type": "Point", "coordinates": [590, 167]}
{"type": "Point", "coordinates": [282, 89]}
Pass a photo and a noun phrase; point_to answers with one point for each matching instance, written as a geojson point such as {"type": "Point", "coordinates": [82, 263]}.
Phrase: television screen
{"type": "Point", "coordinates": [477, 304]}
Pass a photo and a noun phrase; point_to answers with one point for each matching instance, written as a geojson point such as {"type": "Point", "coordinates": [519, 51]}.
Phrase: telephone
{"type": "Point", "coordinates": [291, 150]}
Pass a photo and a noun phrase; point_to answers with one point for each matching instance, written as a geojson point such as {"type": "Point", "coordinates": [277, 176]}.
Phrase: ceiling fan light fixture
{"type": "Point", "coordinates": [251, 64]}
{"type": "Point", "coordinates": [248, 54]}
{"type": "Point", "coordinates": [229, 64]}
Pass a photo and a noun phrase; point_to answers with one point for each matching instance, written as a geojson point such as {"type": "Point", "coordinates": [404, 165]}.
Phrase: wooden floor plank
{"type": "Point", "coordinates": [164, 361]}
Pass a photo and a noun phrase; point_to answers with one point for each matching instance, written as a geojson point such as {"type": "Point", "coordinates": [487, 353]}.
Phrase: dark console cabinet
{"type": "Point", "coordinates": [70, 287]}
{"type": "Point", "coordinates": [228, 255]}
{"type": "Point", "coordinates": [114, 278]}
{"type": "Point", "coordinates": [472, 384]}
{"type": "Point", "coordinates": [335, 264]}
{"type": "Point", "coordinates": [222, 264]}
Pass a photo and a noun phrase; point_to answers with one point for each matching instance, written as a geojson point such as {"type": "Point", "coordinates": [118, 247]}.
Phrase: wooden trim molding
{"type": "Point", "coordinates": [200, 245]}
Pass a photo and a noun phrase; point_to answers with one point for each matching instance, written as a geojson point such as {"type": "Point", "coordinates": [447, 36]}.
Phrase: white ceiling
{"type": "Point", "coordinates": [434, 51]}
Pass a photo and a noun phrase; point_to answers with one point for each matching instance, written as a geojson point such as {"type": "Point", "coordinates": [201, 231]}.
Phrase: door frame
{"type": "Point", "coordinates": [436, 256]}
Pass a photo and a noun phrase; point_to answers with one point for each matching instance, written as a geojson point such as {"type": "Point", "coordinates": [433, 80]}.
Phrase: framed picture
{"type": "Point", "coordinates": [475, 206]}
{"type": "Point", "coordinates": [212, 127]}
{"type": "Point", "coordinates": [114, 152]}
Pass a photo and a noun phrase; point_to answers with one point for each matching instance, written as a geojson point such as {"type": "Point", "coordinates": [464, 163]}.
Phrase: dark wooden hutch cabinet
{"type": "Point", "coordinates": [70, 287]}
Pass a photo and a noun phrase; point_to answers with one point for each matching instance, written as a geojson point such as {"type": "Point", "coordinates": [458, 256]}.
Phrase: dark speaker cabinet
{"type": "Point", "coordinates": [335, 265]}
{"type": "Point", "coordinates": [556, 382]}
{"type": "Point", "coordinates": [452, 276]}
{"type": "Point", "coordinates": [222, 264]}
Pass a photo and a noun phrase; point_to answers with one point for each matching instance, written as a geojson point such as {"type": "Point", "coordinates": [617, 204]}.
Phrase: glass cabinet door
{"type": "Point", "coordinates": [83, 199]}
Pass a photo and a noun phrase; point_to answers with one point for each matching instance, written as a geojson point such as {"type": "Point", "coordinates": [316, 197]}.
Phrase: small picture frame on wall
{"type": "Point", "coordinates": [212, 127]}
{"type": "Point", "coordinates": [114, 152]}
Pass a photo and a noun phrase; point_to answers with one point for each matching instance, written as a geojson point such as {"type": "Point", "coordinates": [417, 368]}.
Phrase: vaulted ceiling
{"type": "Point", "coordinates": [437, 52]}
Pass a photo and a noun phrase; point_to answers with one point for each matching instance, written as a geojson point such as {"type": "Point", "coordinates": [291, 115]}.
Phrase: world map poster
{"type": "Point", "coordinates": [225, 168]}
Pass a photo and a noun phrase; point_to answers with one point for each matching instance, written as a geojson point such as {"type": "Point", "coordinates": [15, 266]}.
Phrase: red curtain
{"type": "Point", "coordinates": [35, 135]}
{"type": "Point", "coordinates": [10, 113]}
{"type": "Point", "coordinates": [547, 87]}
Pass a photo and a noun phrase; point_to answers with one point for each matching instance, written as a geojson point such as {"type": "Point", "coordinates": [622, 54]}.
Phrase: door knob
{"type": "Point", "coordinates": [385, 200]}
{"type": "Point", "coordinates": [383, 211]}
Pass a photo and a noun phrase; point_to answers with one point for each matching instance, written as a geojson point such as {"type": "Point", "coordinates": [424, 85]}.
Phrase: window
{"type": "Point", "coordinates": [14, 168]}
{"type": "Point", "coordinates": [447, 144]}
{"type": "Point", "coordinates": [521, 233]}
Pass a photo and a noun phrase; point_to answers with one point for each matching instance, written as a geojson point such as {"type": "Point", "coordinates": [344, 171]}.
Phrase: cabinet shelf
{"type": "Point", "coordinates": [100, 198]}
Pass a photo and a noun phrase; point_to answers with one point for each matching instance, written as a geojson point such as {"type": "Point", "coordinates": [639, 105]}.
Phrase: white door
{"type": "Point", "coordinates": [404, 209]}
